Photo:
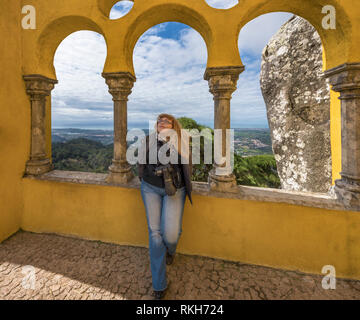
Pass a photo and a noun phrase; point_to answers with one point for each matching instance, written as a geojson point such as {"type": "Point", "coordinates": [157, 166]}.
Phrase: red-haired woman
{"type": "Point", "coordinates": [164, 212]}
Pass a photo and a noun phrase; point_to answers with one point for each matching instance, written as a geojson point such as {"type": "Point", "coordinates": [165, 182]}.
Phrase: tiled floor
{"type": "Point", "coordinates": [60, 267]}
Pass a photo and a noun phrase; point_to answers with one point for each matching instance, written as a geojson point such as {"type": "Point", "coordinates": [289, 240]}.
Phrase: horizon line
{"type": "Point", "coordinates": [62, 128]}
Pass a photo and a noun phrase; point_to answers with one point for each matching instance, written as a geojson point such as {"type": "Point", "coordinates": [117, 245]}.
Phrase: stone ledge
{"type": "Point", "coordinates": [308, 199]}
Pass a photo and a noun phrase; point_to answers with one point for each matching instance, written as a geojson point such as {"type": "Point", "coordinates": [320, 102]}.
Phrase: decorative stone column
{"type": "Point", "coordinates": [120, 85]}
{"type": "Point", "coordinates": [222, 83]}
{"type": "Point", "coordinates": [346, 80]}
{"type": "Point", "coordinates": [38, 87]}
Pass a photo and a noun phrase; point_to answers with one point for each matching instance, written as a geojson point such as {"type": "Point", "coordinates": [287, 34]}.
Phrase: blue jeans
{"type": "Point", "coordinates": [164, 219]}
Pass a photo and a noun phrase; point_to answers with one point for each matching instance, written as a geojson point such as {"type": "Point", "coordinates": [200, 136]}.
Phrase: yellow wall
{"type": "Point", "coordinates": [279, 235]}
{"type": "Point", "coordinates": [14, 120]}
{"type": "Point", "coordinates": [273, 234]}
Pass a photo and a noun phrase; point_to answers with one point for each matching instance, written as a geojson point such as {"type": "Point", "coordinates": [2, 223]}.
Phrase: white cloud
{"type": "Point", "coordinates": [169, 78]}
{"type": "Point", "coordinates": [121, 9]}
{"type": "Point", "coordinates": [79, 61]}
{"type": "Point", "coordinates": [176, 84]}
{"type": "Point", "coordinates": [256, 34]}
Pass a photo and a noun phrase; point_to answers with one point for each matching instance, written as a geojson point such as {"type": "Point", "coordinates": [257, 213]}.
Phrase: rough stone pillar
{"type": "Point", "coordinates": [38, 87]}
{"type": "Point", "coordinates": [120, 85]}
{"type": "Point", "coordinates": [346, 80]}
{"type": "Point", "coordinates": [222, 83]}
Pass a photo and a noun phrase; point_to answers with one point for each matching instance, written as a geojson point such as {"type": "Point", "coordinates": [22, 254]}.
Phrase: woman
{"type": "Point", "coordinates": [164, 212]}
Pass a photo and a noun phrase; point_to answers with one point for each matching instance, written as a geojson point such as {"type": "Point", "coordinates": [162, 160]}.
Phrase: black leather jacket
{"type": "Point", "coordinates": [186, 170]}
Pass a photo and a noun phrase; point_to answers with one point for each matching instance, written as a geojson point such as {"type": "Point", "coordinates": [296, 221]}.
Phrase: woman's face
{"type": "Point", "coordinates": [164, 123]}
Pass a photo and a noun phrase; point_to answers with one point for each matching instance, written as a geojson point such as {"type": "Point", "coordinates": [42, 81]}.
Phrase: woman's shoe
{"type": "Point", "coordinates": [169, 258]}
{"type": "Point", "coordinates": [158, 295]}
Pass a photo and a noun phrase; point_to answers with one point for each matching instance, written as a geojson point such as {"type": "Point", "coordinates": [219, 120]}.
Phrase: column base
{"type": "Point", "coordinates": [37, 167]}
{"type": "Point", "coordinates": [119, 175]}
{"type": "Point", "coordinates": [222, 183]}
{"type": "Point", "coordinates": [348, 192]}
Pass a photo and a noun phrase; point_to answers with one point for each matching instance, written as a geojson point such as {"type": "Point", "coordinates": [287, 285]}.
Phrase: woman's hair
{"type": "Point", "coordinates": [177, 128]}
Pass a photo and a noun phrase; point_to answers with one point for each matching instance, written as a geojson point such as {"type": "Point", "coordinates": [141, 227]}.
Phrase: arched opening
{"type": "Point", "coordinates": [81, 106]}
{"type": "Point", "coordinates": [222, 4]}
{"type": "Point", "coordinates": [283, 93]}
{"type": "Point", "coordinates": [121, 9]}
{"type": "Point", "coordinates": [51, 37]}
{"type": "Point", "coordinates": [161, 14]}
{"type": "Point", "coordinates": [169, 61]}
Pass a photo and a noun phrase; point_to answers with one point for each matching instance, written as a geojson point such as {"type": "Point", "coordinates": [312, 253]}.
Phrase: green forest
{"type": "Point", "coordinates": [83, 154]}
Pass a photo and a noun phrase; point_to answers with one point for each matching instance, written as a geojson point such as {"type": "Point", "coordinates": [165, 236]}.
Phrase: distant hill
{"type": "Point", "coordinates": [251, 142]}
{"type": "Point", "coordinates": [92, 151]}
{"type": "Point", "coordinates": [247, 142]}
{"type": "Point", "coordinates": [62, 135]}
{"type": "Point", "coordinates": [82, 154]}
{"type": "Point", "coordinates": [104, 136]}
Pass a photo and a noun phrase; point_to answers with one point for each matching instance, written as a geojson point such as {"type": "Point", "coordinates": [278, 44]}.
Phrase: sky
{"type": "Point", "coordinates": [169, 62]}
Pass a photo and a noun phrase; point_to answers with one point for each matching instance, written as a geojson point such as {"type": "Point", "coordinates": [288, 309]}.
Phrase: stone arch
{"type": "Point", "coordinates": [160, 14]}
{"type": "Point", "coordinates": [105, 6]}
{"type": "Point", "coordinates": [203, 61]}
{"type": "Point", "coordinates": [333, 41]}
{"type": "Point", "coordinates": [336, 51]}
{"type": "Point", "coordinates": [54, 33]}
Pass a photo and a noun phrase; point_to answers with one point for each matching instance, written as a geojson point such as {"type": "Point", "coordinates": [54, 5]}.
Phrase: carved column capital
{"type": "Point", "coordinates": [120, 84]}
{"type": "Point", "coordinates": [38, 86]}
{"type": "Point", "coordinates": [345, 79]}
{"type": "Point", "coordinates": [222, 80]}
